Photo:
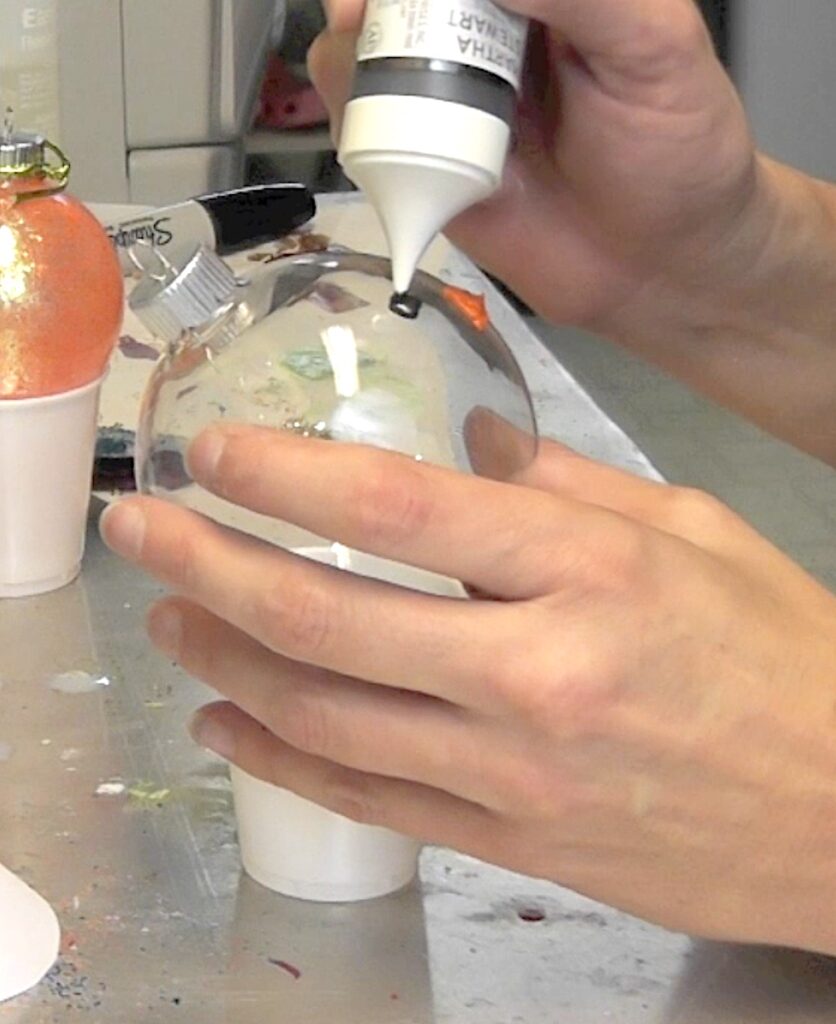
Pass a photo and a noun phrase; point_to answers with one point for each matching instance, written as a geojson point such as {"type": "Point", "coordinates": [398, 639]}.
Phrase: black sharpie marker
{"type": "Point", "coordinates": [224, 221]}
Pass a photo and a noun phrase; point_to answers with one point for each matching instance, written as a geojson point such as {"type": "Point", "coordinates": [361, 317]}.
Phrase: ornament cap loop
{"type": "Point", "coordinates": [25, 155]}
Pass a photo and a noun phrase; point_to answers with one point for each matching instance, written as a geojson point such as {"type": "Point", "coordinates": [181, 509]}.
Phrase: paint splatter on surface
{"type": "Point", "coordinates": [114, 442]}
{"type": "Point", "coordinates": [133, 349]}
{"type": "Point", "coordinates": [315, 365]}
{"type": "Point", "coordinates": [169, 469]}
{"type": "Point", "coordinates": [283, 965]}
{"type": "Point", "coordinates": [334, 299]}
{"type": "Point", "coordinates": [148, 794]}
{"type": "Point", "coordinates": [531, 915]}
{"type": "Point", "coordinates": [66, 983]}
{"type": "Point", "coordinates": [77, 682]}
{"type": "Point", "coordinates": [471, 306]}
{"type": "Point", "coordinates": [292, 245]}
{"type": "Point", "coordinates": [112, 788]}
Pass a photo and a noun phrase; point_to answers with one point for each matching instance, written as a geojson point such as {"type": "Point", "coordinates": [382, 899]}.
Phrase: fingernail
{"type": "Point", "coordinates": [165, 627]}
{"type": "Point", "coordinates": [204, 454]}
{"type": "Point", "coordinates": [122, 527]}
{"type": "Point", "coordinates": [210, 734]}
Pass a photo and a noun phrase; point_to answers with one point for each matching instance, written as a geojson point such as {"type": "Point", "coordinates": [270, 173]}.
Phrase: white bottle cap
{"type": "Point", "coordinates": [294, 847]}
{"type": "Point", "coordinates": [421, 162]}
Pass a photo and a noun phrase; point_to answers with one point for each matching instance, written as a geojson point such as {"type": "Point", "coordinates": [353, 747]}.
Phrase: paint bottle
{"type": "Point", "coordinates": [427, 129]}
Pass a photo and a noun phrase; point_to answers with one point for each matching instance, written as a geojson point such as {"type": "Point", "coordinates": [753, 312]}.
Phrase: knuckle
{"type": "Point", "coordinates": [686, 32]}
{"type": "Point", "coordinates": [665, 39]}
{"type": "Point", "coordinates": [392, 504]}
{"type": "Point", "coordinates": [697, 511]}
{"type": "Point", "coordinates": [573, 697]}
{"type": "Point", "coordinates": [619, 562]}
{"type": "Point", "coordinates": [297, 621]}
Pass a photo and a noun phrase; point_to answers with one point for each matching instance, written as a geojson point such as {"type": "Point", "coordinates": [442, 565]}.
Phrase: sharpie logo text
{"type": "Point", "coordinates": [154, 231]}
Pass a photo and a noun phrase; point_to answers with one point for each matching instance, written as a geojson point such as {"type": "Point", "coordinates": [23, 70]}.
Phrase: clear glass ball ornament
{"type": "Point", "coordinates": [317, 345]}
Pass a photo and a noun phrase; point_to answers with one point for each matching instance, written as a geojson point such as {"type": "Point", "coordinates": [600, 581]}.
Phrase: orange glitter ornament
{"type": "Point", "coordinates": [61, 290]}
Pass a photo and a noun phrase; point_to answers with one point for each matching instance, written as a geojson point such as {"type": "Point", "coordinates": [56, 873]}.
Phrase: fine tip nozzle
{"type": "Point", "coordinates": [408, 242]}
{"type": "Point", "coordinates": [413, 204]}
{"type": "Point", "coordinates": [405, 305]}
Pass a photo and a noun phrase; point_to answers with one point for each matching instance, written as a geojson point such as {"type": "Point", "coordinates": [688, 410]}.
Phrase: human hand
{"type": "Point", "coordinates": [632, 165]}
{"type": "Point", "coordinates": [642, 212]}
{"type": "Point", "coordinates": [645, 714]}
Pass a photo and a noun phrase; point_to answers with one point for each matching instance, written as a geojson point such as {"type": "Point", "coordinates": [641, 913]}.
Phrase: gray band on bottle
{"type": "Point", "coordinates": [437, 80]}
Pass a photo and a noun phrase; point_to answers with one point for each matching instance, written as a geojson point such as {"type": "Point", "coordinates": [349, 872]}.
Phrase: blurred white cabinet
{"type": "Point", "coordinates": [157, 96]}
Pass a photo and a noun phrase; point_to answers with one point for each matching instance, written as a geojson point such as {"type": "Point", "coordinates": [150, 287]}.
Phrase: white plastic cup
{"type": "Point", "coordinates": [29, 936]}
{"type": "Point", "coordinates": [296, 848]}
{"type": "Point", "coordinates": [47, 447]}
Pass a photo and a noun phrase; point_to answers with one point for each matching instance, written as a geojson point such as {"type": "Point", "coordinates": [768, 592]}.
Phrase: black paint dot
{"type": "Point", "coordinates": [405, 305]}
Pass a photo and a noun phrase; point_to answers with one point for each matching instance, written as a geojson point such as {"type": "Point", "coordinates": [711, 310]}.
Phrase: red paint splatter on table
{"type": "Point", "coordinates": [133, 349]}
{"type": "Point", "coordinates": [291, 969]}
{"type": "Point", "coordinates": [532, 915]}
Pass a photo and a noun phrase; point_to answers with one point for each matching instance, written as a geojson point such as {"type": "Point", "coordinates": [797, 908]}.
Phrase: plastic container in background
{"type": "Point", "coordinates": [61, 308]}
{"type": "Point", "coordinates": [29, 936]}
{"type": "Point", "coordinates": [46, 464]}
{"type": "Point", "coordinates": [296, 848]}
{"type": "Point", "coordinates": [29, 64]}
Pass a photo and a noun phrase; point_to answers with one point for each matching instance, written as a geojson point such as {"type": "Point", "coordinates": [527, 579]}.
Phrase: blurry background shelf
{"type": "Point", "coordinates": [263, 142]}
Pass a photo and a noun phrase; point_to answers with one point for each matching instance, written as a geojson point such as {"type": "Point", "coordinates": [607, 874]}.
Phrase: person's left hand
{"type": "Point", "coordinates": [645, 714]}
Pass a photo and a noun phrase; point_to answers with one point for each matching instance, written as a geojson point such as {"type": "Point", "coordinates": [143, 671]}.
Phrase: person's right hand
{"type": "Point", "coordinates": [635, 205]}
{"type": "Point", "coordinates": [632, 154]}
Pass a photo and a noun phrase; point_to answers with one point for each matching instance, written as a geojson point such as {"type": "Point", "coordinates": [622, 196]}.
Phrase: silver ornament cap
{"type": "Point", "coordinates": [169, 302]}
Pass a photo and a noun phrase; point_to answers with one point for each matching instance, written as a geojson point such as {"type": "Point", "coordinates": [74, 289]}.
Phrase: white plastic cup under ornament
{"type": "Point", "coordinates": [296, 848]}
{"type": "Point", "coordinates": [47, 446]}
